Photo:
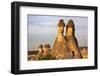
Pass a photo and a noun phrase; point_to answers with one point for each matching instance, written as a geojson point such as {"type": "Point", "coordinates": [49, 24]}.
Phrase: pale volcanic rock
{"type": "Point", "coordinates": [72, 41]}
{"type": "Point", "coordinates": [60, 50]}
{"type": "Point", "coordinates": [65, 47]}
{"type": "Point", "coordinates": [72, 46]}
{"type": "Point", "coordinates": [40, 48]}
{"type": "Point", "coordinates": [84, 53]}
{"type": "Point", "coordinates": [43, 51]}
{"type": "Point", "coordinates": [46, 49]}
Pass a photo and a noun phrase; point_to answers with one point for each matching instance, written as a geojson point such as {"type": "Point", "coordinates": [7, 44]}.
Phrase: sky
{"type": "Point", "coordinates": [42, 29]}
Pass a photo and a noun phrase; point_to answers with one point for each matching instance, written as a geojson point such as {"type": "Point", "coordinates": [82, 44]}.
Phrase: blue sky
{"type": "Point", "coordinates": [43, 29]}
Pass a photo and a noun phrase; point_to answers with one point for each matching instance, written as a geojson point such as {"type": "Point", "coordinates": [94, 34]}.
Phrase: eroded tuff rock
{"type": "Point", "coordinates": [72, 43]}
{"type": "Point", "coordinates": [84, 53]}
{"type": "Point", "coordinates": [59, 49]}
{"type": "Point", "coordinates": [65, 47]}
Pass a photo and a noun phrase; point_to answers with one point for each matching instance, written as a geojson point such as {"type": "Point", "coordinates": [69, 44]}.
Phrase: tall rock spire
{"type": "Point", "coordinates": [70, 29]}
{"type": "Point", "coordinates": [60, 28]}
{"type": "Point", "coordinates": [71, 40]}
{"type": "Point", "coordinates": [59, 49]}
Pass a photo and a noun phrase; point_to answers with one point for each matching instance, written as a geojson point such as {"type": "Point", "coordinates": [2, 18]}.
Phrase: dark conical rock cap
{"type": "Point", "coordinates": [61, 23]}
{"type": "Point", "coordinates": [70, 24]}
{"type": "Point", "coordinates": [47, 46]}
{"type": "Point", "coordinates": [41, 46]}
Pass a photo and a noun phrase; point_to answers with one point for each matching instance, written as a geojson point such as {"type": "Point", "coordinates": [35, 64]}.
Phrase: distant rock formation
{"type": "Point", "coordinates": [40, 48]}
{"type": "Point", "coordinates": [84, 53]}
{"type": "Point", "coordinates": [46, 49]}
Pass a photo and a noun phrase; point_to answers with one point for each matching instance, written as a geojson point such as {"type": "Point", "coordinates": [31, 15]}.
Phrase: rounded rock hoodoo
{"type": "Point", "coordinates": [59, 49]}
{"type": "Point", "coordinates": [71, 40]}
{"type": "Point", "coordinates": [84, 53]}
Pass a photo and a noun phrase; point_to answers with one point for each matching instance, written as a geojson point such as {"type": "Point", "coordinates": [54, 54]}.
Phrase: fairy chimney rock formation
{"type": "Point", "coordinates": [41, 48]}
{"type": "Point", "coordinates": [59, 49]}
{"type": "Point", "coordinates": [71, 40]}
{"type": "Point", "coordinates": [65, 47]}
{"type": "Point", "coordinates": [84, 53]}
{"type": "Point", "coordinates": [60, 28]}
{"type": "Point", "coordinates": [46, 49]}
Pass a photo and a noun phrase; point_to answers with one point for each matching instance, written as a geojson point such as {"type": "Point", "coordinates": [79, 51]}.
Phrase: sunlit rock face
{"type": "Point", "coordinates": [46, 49]}
{"type": "Point", "coordinates": [40, 48]}
{"type": "Point", "coordinates": [64, 47]}
{"type": "Point", "coordinates": [72, 43]}
{"type": "Point", "coordinates": [59, 49]}
{"type": "Point", "coordinates": [84, 53]}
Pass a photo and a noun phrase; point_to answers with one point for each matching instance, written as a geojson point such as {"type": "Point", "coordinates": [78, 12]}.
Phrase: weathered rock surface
{"type": "Point", "coordinates": [84, 53]}
{"type": "Point", "coordinates": [65, 47]}
{"type": "Point", "coordinates": [59, 49]}
{"type": "Point", "coordinates": [73, 47]}
{"type": "Point", "coordinates": [71, 40]}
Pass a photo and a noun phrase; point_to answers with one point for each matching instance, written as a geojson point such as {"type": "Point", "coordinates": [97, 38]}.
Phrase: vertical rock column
{"type": "Point", "coordinates": [72, 41]}
{"type": "Point", "coordinates": [59, 50]}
